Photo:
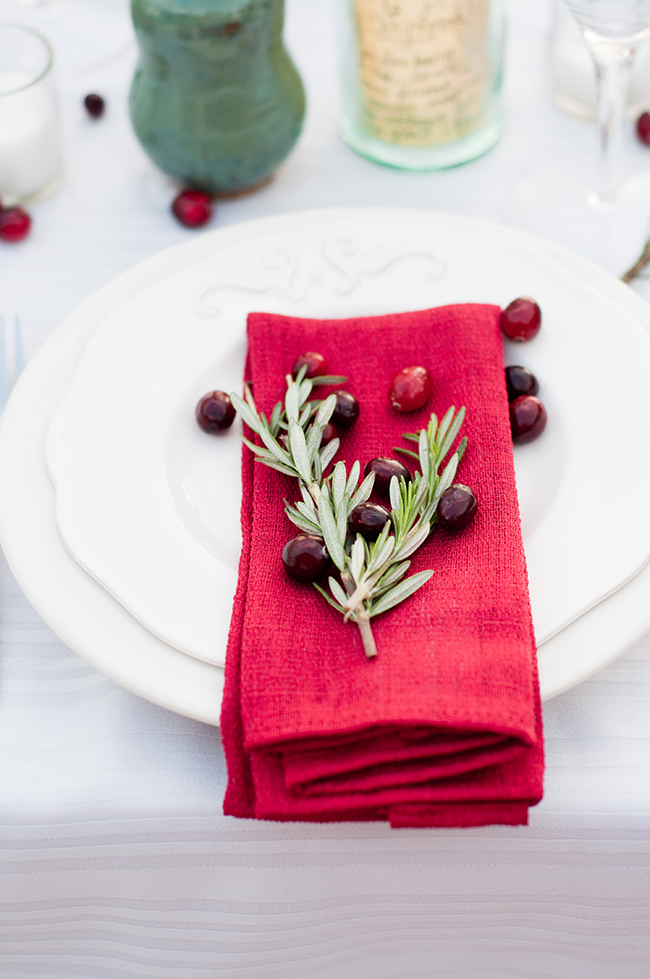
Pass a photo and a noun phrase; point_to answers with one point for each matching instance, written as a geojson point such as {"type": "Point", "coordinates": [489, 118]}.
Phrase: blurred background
{"type": "Point", "coordinates": [113, 207]}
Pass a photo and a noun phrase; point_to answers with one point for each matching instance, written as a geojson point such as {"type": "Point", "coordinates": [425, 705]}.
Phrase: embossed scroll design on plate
{"type": "Point", "coordinates": [341, 263]}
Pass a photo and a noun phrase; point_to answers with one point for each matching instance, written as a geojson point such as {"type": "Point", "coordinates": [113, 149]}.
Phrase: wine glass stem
{"type": "Point", "coordinates": [613, 60]}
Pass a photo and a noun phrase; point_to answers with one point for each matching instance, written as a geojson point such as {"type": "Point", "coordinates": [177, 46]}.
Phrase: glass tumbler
{"type": "Point", "coordinates": [421, 81]}
{"type": "Point", "coordinates": [30, 141]}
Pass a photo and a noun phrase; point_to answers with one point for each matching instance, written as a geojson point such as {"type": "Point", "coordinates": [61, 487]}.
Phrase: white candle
{"type": "Point", "coordinates": [30, 146]}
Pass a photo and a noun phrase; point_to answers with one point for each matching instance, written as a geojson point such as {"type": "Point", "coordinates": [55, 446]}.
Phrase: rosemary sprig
{"type": "Point", "coordinates": [292, 438]}
{"type": "Point", "coordinates": [372, 575]}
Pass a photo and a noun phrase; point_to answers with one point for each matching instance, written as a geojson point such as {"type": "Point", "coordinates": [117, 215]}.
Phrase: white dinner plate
{"type": "Point", "coordinates": [149, 505]}
{"type": "Point", "coordinates": [93, 624]}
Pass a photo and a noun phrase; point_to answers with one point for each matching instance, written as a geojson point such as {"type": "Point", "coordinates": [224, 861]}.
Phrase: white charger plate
{"type": "Point", "coordinates": [93, 624]}
{"type": "Point", "coordinates": [149, 505]}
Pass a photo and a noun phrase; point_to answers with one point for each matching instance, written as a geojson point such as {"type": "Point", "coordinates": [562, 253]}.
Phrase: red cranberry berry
{"type": "Point", "coordinates": [94, 105]}
{"type": "Point", "coordinates": [347, 410]}
{"type": "Point", "coordinates": [527, 418]}
{"type": "Point", "coordinates": [14, 224]}
{"type": "Point", "coordinates": [519, 380]}
{"type": "Point", "coordinates": [369, 520]}
{"type": "Point", "coordinates": [305, 558]}
{"type": "Point", "coordinates": [329, 433]}
{"type": "Point", "coordinates": [192, 208]}
{"type": "Point", "coordinates": [410, 389]}
{"type": "Point", "coordinates": [457, 507]}
{"type": "Point", "coordinates": [384, 470]}
{"type": "Point", "coordinates": [643, 128]}
{"type": "Point", "coordinates": [315, 363]}
{"type": "Point", "coordinates": [522, 319]}
{"type": "Point", "coordinates": [215, 412]}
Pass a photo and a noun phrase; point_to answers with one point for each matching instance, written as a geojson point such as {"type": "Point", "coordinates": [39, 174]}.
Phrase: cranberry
{"type": "Point", "coordinates": [94, 105]}
{"type": "Point", "coordinates": [384, 470]}
{"type": "Point", "coordinates": [456, 507]}
{"type": "Point", "coordinates": [369, 520]}
{"type": "Point", "coordinates": [192, 208]}
{"type": "Point", "coordinates": [519, 380]}
{"type": "Point", "coordinates": [305, 558]}
{"type": "Point", "coordinates": [14, 224]}
{"type": "Point", "coordinates": [522, 319]}
{"type": "Point", "coordinates": [315, 363]}
{"type": "Point", "coordinates": [410, 389]}
{"type": "Point", "coordinates": [347, 410]}
{"type": "Point", "coordinates": [215, 412]}
{"type": "Point", "coordinates": [329, 433]}
{"type": "Point", "coordinates": [527, 418]}
{"type": "Point", "coordinates": [643, 128]}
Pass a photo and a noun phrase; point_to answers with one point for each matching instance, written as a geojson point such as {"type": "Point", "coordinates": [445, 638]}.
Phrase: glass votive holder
{"type": "Point", "coordinates": [30, 140]}
{"type": "Point", "coordinates": [421, 81]}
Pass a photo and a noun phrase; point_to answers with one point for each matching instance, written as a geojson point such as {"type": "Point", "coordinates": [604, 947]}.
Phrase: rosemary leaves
{"type": "Point", "coordinates": [372, 575]}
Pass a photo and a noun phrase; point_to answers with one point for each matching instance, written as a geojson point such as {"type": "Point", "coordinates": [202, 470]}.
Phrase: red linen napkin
{"type": "Point", "coordinates": [444, 727]}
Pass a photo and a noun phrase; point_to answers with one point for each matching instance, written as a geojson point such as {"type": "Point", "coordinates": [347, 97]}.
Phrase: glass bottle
{"type": "Point", "coordinates": [216, 101]}
{"type": "Point", "coordinates": [421, 80]}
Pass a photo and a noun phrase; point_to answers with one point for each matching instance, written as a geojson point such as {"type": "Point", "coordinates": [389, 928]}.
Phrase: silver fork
{"type": "Point", "coordinates": [8, 378]}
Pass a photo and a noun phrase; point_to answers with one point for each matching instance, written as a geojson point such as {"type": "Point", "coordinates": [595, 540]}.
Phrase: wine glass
{"type": "Point", "coordinates": [587, 204]}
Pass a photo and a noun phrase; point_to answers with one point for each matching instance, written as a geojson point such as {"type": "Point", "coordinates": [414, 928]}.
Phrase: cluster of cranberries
{"type": "Point", "coordinates": [346, 410]}
{"type": "Point", "coordinates": [305, 557]}
{"type": "Point", "coordinates": [521, 321]}
{"type": "Point", "coordinates": [14, 223]}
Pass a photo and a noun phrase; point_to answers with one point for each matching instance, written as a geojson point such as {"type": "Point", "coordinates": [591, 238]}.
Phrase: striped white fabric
{"type": "Point", "coordinates": [116, 862]}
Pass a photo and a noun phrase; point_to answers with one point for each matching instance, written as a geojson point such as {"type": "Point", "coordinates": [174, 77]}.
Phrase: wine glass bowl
{"type": "Point", "coordinates": [585, 204]}
{"type": "Point", "coordinates": [614, 19]}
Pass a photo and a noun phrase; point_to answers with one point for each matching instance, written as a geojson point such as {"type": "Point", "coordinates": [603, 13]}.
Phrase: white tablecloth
{"type": "Point", "coordinates": [117, 862]}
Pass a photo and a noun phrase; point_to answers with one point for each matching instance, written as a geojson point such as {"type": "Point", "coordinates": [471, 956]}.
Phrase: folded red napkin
{"type": "Point", "coordinates": [444, 727]}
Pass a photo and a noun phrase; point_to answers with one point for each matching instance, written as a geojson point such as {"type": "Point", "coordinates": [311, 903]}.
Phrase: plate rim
{"type": "Point", "coordinates": [89, 315]}
{"type": "Point", "coordinates": [180, 590]}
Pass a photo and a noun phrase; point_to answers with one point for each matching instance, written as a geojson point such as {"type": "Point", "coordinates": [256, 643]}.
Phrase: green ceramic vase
{"type": "Point", "coordinates": [216, 102]}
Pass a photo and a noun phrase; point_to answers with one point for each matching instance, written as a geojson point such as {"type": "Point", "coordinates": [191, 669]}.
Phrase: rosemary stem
{"type": "Point", "coordinates": [643, 261]}
{"type": "Point", "coordinates": [367, 638]}
{"type": "Point", "coordinates": [314, 490]}
{"type": "Point", "coordinates": [363, 619]}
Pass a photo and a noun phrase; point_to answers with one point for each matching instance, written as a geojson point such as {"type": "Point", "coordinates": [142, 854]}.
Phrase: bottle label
{"type": "Point", "coordinates": [424, 68]}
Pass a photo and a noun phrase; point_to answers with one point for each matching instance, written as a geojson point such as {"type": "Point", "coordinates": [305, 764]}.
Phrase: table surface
{"type": "Point", "coordinates": [116, 860]}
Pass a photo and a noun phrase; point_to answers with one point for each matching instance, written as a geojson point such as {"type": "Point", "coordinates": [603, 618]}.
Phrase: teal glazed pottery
{"type": "Point", "coordinates": [216, 101]}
